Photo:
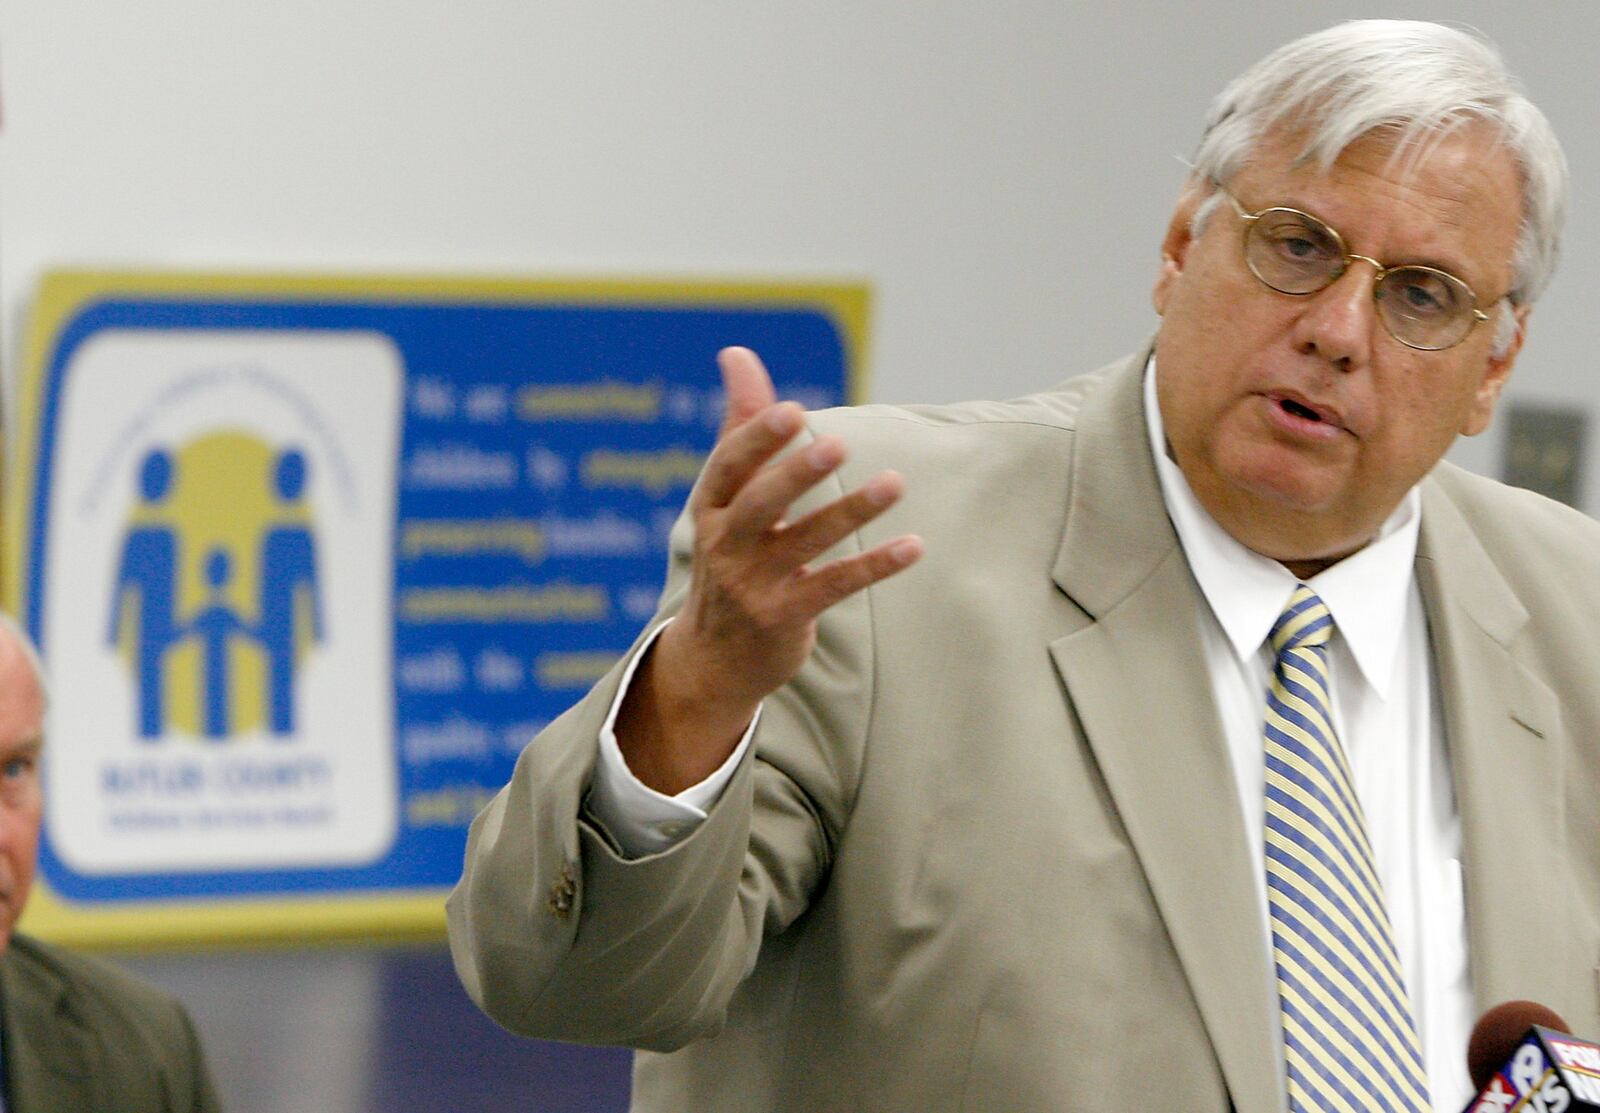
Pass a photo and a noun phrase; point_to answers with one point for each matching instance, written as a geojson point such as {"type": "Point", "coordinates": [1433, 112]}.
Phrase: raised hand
{"type": "Point", "coordinates": [749, 620]}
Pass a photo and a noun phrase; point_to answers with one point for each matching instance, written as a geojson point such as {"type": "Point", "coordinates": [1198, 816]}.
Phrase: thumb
{"type": "Point", "coordinates": [746, 384]}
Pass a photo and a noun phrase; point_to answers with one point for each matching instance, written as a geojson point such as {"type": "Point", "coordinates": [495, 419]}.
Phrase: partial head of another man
{"type": "Point", "coordinates": [22, 707]}
{"type": "Point", "coordinates": [1301, 420]}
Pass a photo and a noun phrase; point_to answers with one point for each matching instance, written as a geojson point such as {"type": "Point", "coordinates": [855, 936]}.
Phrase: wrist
{"type": "Point", "coordinates": [676, 726]}
{"type": "Point", "coordinates": [692, 692]}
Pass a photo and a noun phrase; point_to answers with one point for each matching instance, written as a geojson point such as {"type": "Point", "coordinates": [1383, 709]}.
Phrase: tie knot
{"type": "Point", "coordinates": [1304, 622]}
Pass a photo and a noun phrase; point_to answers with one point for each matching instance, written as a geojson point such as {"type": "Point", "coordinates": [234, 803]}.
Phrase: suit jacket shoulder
{"type": "Point", "coordinates": [80, 1034]}
{"type": "Point", "coordinates": [1512, 601]}
{"type": "Point", "coordinates": [1055, 409]}
{"type": "Point", "coordinates": [1014, 462]}
{"type": "Point", "coordinates": [1516, 527]}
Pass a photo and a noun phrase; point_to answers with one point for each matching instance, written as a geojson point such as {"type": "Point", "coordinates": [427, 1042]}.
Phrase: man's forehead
{"type": "Point", "coordinates": [1457, 198]}
{"type": "Point", "coordinates": [21, 696]}
{"type": "Point", "coordinates": [1464, 169]}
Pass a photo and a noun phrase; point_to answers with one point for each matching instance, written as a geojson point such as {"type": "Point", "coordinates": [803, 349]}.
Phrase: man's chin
{"type": "Point", "coordinates": [1287, 508]}
{"type": "Point", "coordinates": [1298, 523]}
{"type": "Point", "coordinates": [1280, 483]}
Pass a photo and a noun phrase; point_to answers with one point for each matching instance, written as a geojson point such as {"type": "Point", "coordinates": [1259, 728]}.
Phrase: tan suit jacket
{"type": "Point", "coordinates": [83, 1037]}
{"type": "Point", "coordinates": [988, 853]}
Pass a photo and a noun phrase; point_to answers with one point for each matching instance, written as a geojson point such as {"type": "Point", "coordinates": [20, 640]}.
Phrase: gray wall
{"type": "Point", "coordinates": [1000, 171]}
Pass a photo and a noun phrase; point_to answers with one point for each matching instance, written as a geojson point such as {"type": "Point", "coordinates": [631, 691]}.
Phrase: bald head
{"type": "Point", "coordinates": [21, 797]}
{"type": "Point", "coordinates": [21, 677]}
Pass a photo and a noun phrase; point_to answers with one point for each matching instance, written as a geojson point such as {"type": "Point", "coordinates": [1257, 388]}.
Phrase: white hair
{"type": "Point", "coordinates": [1412, 80]}
{"type": "Point", "coordinates": [10, 627]}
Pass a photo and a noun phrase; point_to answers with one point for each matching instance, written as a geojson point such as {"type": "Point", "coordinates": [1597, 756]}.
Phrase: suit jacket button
{"type": "Point", "coordinates": [563, 891]}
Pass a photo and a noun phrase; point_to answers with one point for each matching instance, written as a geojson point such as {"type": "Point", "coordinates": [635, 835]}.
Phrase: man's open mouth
{"type": "Point", "coordinates": [1300, 410]}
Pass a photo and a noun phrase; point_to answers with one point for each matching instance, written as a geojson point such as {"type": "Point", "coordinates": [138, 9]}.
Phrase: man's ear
{"type": "Point", "coordinates": [1487, 394]}
{"type": "Point", "coordinates": [1175, 244]}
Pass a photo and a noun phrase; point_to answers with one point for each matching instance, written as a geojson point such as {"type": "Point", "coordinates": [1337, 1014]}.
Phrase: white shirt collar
{"type": "Point", "coordinates": [1247, 591]}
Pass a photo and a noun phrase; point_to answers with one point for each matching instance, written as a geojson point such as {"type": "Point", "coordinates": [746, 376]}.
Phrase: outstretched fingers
{"type": "Point", "coordinates": [743, 450]}
{"type": "Point", "coordinates": [746, 385]}
{"type": "Point", "coordinates": [765, 500]}
{"type": "Point", "coordinates": [746, 491]}
{"type": "Point", "coordinates": [817, 589]}
{"type": "Point", "coordinates": [754, 426]}
{"type": "Point", "coordinates": [807, 538]}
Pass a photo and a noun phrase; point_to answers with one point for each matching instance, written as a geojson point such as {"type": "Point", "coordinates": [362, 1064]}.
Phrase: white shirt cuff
{"type": "Point", "coordinates": [640, 819]}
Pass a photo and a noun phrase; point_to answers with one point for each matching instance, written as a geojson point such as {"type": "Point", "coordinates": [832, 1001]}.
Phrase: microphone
{"type": "Point", "coordinates": [1522, 1058]}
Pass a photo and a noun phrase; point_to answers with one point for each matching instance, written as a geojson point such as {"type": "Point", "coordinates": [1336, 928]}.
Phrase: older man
{"type": "Point", "coordinates": [76, 1034]}
{"type": "Point", "coordinates": [1225, 749]}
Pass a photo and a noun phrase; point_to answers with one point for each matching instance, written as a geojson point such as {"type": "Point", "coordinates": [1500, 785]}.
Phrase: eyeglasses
{"type": "Point", "coordinates": [1295, 253]}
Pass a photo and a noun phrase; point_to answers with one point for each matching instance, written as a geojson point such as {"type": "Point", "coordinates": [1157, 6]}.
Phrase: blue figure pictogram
{"type": "Point", "coordinates": [290, 607]}
{"type": "Point", "coordinates": [146, 581]}
{"type": "Point", "coordinates": [216, 625]}
{"type": "Point", "coordinates": [157, 622]}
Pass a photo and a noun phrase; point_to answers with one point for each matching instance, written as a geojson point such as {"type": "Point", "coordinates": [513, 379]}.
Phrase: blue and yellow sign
{"type": "Point", "coordinates": [311, 560]}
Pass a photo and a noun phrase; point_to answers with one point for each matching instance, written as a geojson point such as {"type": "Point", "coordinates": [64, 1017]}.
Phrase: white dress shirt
{"type": "Point", "coordinates": [1385, 709]}
{"type": "Point", "coordinates": [1386, 714]}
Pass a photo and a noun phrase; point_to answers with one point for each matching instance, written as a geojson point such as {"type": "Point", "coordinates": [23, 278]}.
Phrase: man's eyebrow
{"type": "Point", "coordinates": [1437, 262]}
{"type": "Point", "coordinates": [1453, 267]}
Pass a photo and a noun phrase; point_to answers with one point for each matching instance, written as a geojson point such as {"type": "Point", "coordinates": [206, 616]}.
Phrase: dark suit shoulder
{"type": "Point", "coordinates": [64, 1009]}
{"type": "Point", "coordinates": [96, 989]}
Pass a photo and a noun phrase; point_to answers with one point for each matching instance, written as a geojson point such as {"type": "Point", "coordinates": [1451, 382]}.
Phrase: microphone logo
{"type": "Point", "coordinates": [1548, 1072]}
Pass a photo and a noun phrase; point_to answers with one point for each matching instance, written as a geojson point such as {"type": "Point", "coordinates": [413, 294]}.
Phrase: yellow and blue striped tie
{"type": "Point", "coordinates": [1350, 1042]}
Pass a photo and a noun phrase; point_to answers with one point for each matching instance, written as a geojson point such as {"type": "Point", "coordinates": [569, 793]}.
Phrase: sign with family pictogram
{"type": "Point", "coordinates": [311, 560]}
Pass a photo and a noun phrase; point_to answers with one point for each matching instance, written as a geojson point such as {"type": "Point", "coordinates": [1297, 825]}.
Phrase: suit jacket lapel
{"type": "Point", "coordinates": [50, 1058]}
{"type": "Point", "coordinates": [1140, 686]}
{"type": "Point", "coordinates": [1503, 727]}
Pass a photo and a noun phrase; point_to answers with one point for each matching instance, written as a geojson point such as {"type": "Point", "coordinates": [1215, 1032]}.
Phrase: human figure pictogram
{"type": "Point", "coordinates": [146, 581]}
{"type": "Point", "coordinates": [290, 609]}
{"type": "Point", "coordinates": [215, 625]}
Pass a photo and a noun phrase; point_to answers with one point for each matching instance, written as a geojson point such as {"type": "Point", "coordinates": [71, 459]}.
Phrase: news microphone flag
{"type": "Point", "coordinates": [1549, 1072]}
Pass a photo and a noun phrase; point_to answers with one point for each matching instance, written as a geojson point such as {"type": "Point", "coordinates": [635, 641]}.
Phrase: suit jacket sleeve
{"type": "Point", "coordinates": [556, 934]}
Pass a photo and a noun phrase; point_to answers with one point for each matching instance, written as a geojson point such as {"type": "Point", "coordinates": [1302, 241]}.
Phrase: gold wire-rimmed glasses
{"type": "Point", "coordinates": [1293, 252]}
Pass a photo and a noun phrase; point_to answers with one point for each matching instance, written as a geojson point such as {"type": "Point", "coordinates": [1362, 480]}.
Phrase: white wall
{"type": "Point", "coordinates": [1000, 171]}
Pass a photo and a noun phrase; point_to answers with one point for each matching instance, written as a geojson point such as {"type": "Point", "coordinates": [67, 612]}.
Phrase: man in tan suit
{"type": "Point", "coordinates": [1003, 836]}
{"type": "Point", "coordinates": [75, 1034]}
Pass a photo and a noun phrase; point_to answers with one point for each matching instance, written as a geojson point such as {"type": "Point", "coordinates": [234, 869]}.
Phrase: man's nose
{"type": "Point", "coordinates": [1339, 320]}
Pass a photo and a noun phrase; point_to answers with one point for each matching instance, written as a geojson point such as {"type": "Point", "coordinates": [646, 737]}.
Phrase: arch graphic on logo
{"type": "Point", "coordinates": [216, 601]}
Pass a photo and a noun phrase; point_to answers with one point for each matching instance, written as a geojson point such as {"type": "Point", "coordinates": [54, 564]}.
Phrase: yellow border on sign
{"type": "Point", "coordinates": [64, 294]}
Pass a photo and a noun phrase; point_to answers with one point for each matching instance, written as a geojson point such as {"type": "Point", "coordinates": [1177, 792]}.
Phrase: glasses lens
{"type": "Point", "coordinates": [1425, 308]}
{"type": "Point", "coordinates": [1293, 253]}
